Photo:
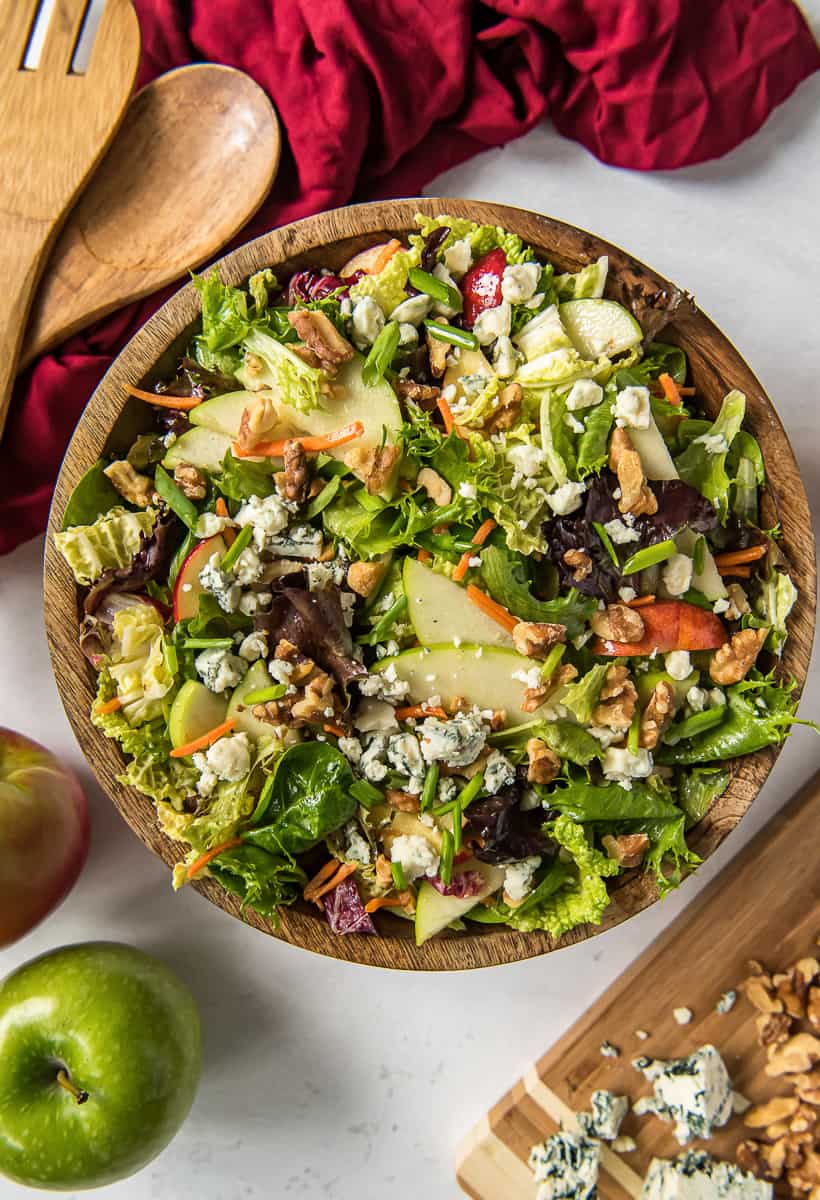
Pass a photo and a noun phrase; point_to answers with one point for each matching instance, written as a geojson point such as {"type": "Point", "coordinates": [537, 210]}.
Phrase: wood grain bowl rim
{"type": "Point", "coordinates": [330, 238]}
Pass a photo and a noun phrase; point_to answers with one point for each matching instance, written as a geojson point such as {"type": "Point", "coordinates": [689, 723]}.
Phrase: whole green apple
{"type": "Point", "coordinates": [99, 1064]}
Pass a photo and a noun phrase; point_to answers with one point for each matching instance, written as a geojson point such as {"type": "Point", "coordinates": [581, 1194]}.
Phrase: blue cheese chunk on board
{"type": "Point", "coordinates": [565, 1167]}
{"type": "Point", "coordinates": [604, 1121]}
{"type": "Point", "coordinates": [695, 1092]}
{"type": "Point", "coordinates": [695, 1175]}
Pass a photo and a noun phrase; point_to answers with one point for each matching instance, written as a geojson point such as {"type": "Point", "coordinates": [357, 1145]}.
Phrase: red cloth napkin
{"type": "Point", "coordinates": [378, 97]}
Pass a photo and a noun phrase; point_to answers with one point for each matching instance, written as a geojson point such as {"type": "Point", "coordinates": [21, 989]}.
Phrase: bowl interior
{"type": "Point", "coordinates": [112, 420]}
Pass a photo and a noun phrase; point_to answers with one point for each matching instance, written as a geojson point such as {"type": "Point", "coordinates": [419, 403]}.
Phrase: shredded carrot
{"type": "Point", "coordinates": [384, 258]}
{"type": "Point", "coordinates": [344, 870]}
{"type": "Point", "coordinates": [383, 902]}
{"type": "Point", "coordinates": [334, 729]}
{"type": "Point", "coordinates": [670, 388]}
{"type": "Point", "coordinates": [330, 868]}
{"type": "Point", "coordinates": [420, 710]}
{"type": "Point", "coordinates": [441, 528]}
{"type": "Point", "coordinates": [324, 441]}
{"type": "Point", "coordinates": [641, 601]}
{"type": "Point", "coordinates": [207, 739]}
{"type": "Point", "coordinates": [182, 403]}
{"type": "Point", "coordinates": [733, 558]}
{"type": "Point", "coordinates": [483, 532]}
{"type": "Point", "coordinates": [203, 860]}
{"type": "Point", "coordinates": [221, 508]}
{"type": "Point", "coordinates": [446, 414]}
{"type": "Point", "coordinates": [423, 555]}
{"type": "Point", "coordinates": [463, 566]}
{"type": "Point", "coordinates": [102, 710]}
{"type": "Point", "coordinates": [489, 607]}
{"type": "Point", "coordinates": [740, 572]}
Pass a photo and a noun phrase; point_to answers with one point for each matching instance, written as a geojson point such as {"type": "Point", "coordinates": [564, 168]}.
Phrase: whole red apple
{"type": "Point", "coordinates": [44, 833]}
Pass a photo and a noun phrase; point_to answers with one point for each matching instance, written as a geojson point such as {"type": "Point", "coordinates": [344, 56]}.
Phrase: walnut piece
{"type": "Point", "coordinates": [293, 483]}
{"type": "Point", "coordinates": [543, 764]}
{"type": "Point", "coordinates": [363, 577]}
{"type": "Point", "coordinates": [637, 497]}
{"type": "Point", "coordinates": [807, 1087]}
{"type": "Point", "coordinates": [403, 801]}
{"type": "Point", "coordinates": [421, 392]}
{"type": "Point", "coordinates": [508, 412]}
{"type": "Point", "coordinates": [627, 849]}
{"type": "Point", "coordinates": [813, 1007]}
{"type": "Point", "coordinates": [191, 482]}
{"type": "Point", "coordinates": [738, 602]}
{"type": "Point", "coordinates": [773, 1028]}
{"type": "Point", "coordinates": [658, 714]}
{"type": "Point", "coordinates": [776, 1109]}
{"type": "Point", "coordinates": [437, 352]}
{"type": "Point", "coordinates": [319, 695]}
{"type": "Point", "coordinates": [437, 488]}
{"type": "Point", "coordinates": [732, 661]}
{"type": "Point", "coordinates": [259, 420]}
{"type": "Point", "coordinates": [135, 488]}
{"type": "Point", "coordinates": [384, 872]}
{"type": "Point", "coordinates": [616, 704]}
{"type": "Point", "coordinates": [535, 638]}
{"type": "Point", "coordinates": [806, 1176]}
{"type": "Point", "coordinates": [759, 993]}
{"type": "Point", "coordinates": [795, 1056]}
{"type": "Point", "coordinates": [321, 336]}
{"type": "Point", "coordinates": [579, 562]}
{"type": "Point", "coordinates": [534, 697]}
{"type": "Point", "coordinates": [618, 623]}
{"type": "Point", "coordinates": [374, 467]}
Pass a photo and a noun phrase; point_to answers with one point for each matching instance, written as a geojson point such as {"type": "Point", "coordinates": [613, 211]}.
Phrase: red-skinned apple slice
{"type": "Point", "coordinates": [670, 625]}
{"type": "Point", "coordinates": [481, 286]}
{"type": "Point", "coordinates": [187, 588]}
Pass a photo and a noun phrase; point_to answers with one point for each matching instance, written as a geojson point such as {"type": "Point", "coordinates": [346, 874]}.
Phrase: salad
{"type": "Point", "coordinates": [430, 588]}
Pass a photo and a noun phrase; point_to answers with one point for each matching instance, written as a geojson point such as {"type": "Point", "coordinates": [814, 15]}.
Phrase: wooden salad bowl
{"type": "Point", "coordinates": [111, 420]}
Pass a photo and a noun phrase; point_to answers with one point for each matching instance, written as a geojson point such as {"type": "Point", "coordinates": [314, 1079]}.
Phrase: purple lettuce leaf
{"type": "Point", "coordinates": [507, 832]}
{"type": "Point", "coordinates": [344, 909]}
{"type": "Point", "coordinates": [462, 885]}
{"type": "Point", "coordinates": [149, 562]}
{"type": "Point", "coordinates": [313, 622]}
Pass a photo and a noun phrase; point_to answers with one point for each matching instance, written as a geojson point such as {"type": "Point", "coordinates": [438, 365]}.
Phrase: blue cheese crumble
{"type": "Point", "coordinates": [608, 1112]}
{"type": "Point", "coordinates": [457, 742]}
{"type": "Point", "coordinates": [726, 1002]}
{"type": "Point", "coordinates": [566, 1167]}
{"type": "Point", "coordinates": [219, 669]}
{"type": "Point", "coordinates": [695, 1092]}
{"type": "Point", "coordinates": [416, 855]}
{"type": "Point", "coordinates": [221, 584]}
{"type": "Point", "coordinates": [695, 1175]}
{"type": "Point", "coordinates": [498, 772]}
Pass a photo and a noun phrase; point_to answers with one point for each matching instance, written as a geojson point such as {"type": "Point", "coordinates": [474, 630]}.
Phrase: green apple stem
{"type": "Point", "coordinates": [67, 1083]}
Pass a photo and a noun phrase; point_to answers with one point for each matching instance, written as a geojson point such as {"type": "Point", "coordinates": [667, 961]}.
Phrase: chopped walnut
{"type": "Point", "coordinates": [535, 638]}
{"type": "Point", "coordinates": [286, 651]}
{"type": "Point", "coordinates": [543, 763]}
{"type": "Point", "coordinates": [618, 623]}
{"type": "Point", "coordinates": [732, 661]}
{"type": "Point", "coordinates": [321, 336]}
{"type": "Point", "coordinates": [319, 695]}
{"type": "Point", "coordinates": [260, 418]}
{"type": "Point", "coordinates": [498, 720]}
{"type": "Point", "coordinates": [807, 1087]}
{"type": "Point", "coordinates": [437, 488]}
{"type": "Point", "coordinates": [313, 360]}
{"type": "Point", "coordinates": [579, 562]}
{"type": "Point", "coordinates": [616, 704]}
{"type": "Point", "coordinates": [384, 872]}
{"type": "Point", "coordinates": [302, 671]}
{"type": "Point", "coordinates": [738, 602]}
{"type": "Point", "coordinates": [628, 849]}
{"type": "Point", "coordinates": [779, 1108]}
{"type": "Point", "coordinates": [806, 1176]}
{"type": "Point", "coordinates": [191, 482]}
{"type": "Point", "coordinates": [797, 1145]}
{"type": "Point", "coordinates": [773, 1028]}
{"type": "Point", "coordinates": [508, 412]}
{"type": "Point", "coordinates": [813, 1007]}
{"type": "Point", "coordinates": [766, 1162]}
{"type": "Point", "coordinates": [437, 352]}
{"type": "Point", "coordinates": [804, 1119]}
{"type": "Point", "coordinates": [363, 577]}
{"type": "Point", "coordinates": [403, 801]}
{"type": "Point", "coordinates": [423, 393]}
{"type": "Point", "coordinates": [293, 483]}
{"type": "Point", "coordinates": [637, 497]}
{"type": "Point", "coordinates": [135, 488]}
{"type": "Point", "coordinates": [374, 467]}
{"type": "Point", "coordinates": [658, 714]}
{"type": "Point", "coordinates": [271, 711]}
{"type": "Point", "coordinates": [760, 994]}
{"type": "Point", "coordinates": [795, 1056]}
{"type": "Point", "coordinates": [534, 697]}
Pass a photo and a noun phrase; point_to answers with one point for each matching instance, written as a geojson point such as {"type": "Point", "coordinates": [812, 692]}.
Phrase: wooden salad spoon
{"type": "Point", "coordinates": [192, 162]}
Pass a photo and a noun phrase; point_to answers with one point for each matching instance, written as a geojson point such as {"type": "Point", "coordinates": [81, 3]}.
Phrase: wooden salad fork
{"type": "Point", "coordinates": [55, 124]}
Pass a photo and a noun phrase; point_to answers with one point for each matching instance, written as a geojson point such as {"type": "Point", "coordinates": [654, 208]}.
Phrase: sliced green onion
{"type": "Point", "coordinates": [399, 877]}
{"type": "Point", "coordinates": [699, 555]}
{"type": "Point", "coordinates": [634, 732]}
{"type": "Point", "coordinates": [469, 792]}
{"type": "Point", "coordinates": [365, 793]}
{"type": "Point", "coordinates": [263, 695]}
{"type": "Point", "coordinates": [430, 789]}
{"type": "Point", "coordinates": [369, 503]}
{"type": "Point", "coordinates": [442, 809]}
{"type": "Point", "coordinates": [381, 354]}
{"type": "Point", "coordinates": [385, 623]}
{"type": "Point", "coordinates": [448, 333]}
{"type": "Point", "coordinates": [699, 723]}
{"type": "Point", "coordinates": [457, 816]}
{"type": "Point", "coordinates": [607, 542]}
{"type": "Point", "coordinates": [650, 556]}
{"type": "Point", "coordinates": [174, 498]}
{"type": "Point", "coordinates": [445, 866]}
{"type": "Point", "coordinates": [552, 660]}
{"type": "Point", "coordinates": [207, 643]}
{"type": "Point", "coordinates": [437, 288]}
{"type": "Point", "coordinates": [240, 542]}
{"type": "Point", "coordinates": [321, 501]}
{"type": "Point", "coordinates": [171, 659]}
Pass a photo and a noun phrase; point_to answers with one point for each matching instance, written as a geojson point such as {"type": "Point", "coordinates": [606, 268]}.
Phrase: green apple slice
{"type": "Point", "coordinates": [203, 448]}
{"type": "Point", "coordinates": [599, 327]}
{"type": "Point", "coordinates": [647, 682]}
{"type": "Point", "coordinates": [440, 610]}
{"type": "Point", "coordinates": [196, 710]}
{"type": "Point", "coordinates": [435, 912]}
{"type": "Point", "coordinates": [482, 675]}
{"type": "Point", "coordinates": [222, 413]}
{"type": "Point", "coordinates": [255, 679]}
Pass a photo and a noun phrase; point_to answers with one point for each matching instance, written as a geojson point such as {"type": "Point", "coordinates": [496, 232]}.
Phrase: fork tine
{"type": "Point", "coordinates": [63, 32]}
{"type": "Point", "coordinates": [118, 26]}
{"type": "Point", "coordinates": [16, 21]}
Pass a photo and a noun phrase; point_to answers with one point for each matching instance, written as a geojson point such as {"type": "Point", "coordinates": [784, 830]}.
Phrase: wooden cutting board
{"type": "Point", "coordinates": [765, 905]}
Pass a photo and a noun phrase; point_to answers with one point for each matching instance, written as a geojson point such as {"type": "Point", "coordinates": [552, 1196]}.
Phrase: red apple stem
{"type": "Point", "coordinates": [67, 1083]}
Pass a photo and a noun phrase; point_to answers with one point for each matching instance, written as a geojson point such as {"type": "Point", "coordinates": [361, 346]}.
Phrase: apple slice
{"type": "Point", "coordinates": [204, 448]}
{"type": "Point", "coordinates": [196, 710]}
{"type": "Point", "coordinates": [435, 912]}
{"type": "Point", "coordinates": [440, 610]}
{"type": "Point", "coordinates": [481, 675]}
{"type": "Point", "coordinates": [669, 625]}
{"type": "Point", "coordinates": [222, 413]}
{"type": "Point", "coordinates": [255, 679]}
{"type": "Point", "coordinates": [599, 327]}
{"type": "Point", "coordinates": [187, 588]}
{"type": "Point", "coordinates": [372, 260]}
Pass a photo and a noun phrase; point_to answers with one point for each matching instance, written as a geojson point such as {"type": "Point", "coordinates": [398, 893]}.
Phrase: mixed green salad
{"type": "Point", "coordinates": [431, 588]}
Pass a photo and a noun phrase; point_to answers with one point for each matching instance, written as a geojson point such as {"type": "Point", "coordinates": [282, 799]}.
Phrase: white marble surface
{"type": "Point", "coordinates": [328, 1081]}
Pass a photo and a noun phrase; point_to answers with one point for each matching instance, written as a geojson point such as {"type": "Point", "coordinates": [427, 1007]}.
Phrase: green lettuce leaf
{"type": "Point", "coordinates": [94, 495]}
{"type": "Point", "coordinates": [109, 542]}
{"type": "Point", "coordinates": [483, 238]}
{"type": "Point", "coordinates": [542, 334]}
{"type": "Point", "coordinates": [225, 317]}
{"type": "Point", "coordinates": [584, 801]}
{"type": "Point", "coordinates": [137, 662]}
{"type": "Point", "coordinates": [704, 466]}
{"type": "Point", "coordinates": [590, 281]}
{"type": "Point", "coordinates": [698, 789]}
{"type": "Point", "coordinates": [269, 363]}
{"type": "Point", "coordinates": [263, 881]}
{"type": "Point", "coordinates": [772, 605]}
{"type": "Point", "coordinates": [559, 367]}
{"type": "Point", "coordinates": [669, 854]}
{"type": "Point", "coordinates": [307, 797]}
{"type": "Point", "coordinates": [220, 817]}
{"type": "Point", "coordinates": [387, 288]}
{"type": "Point", "coordinates": [148, 741]}
{"type": "Point", "coordinates": [581, 696]}
{"type": "Point", "coordinates": [170, 781]}
{"type": "Point", "coordinates": [240, 480]}
{"type": "Point", "coordinates": [504, 575]}
{"type": "Point", "coordinates": [593, 443]}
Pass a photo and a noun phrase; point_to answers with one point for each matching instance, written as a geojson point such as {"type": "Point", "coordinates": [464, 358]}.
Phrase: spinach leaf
{"type": "Point", "coordinates": [610, 802]}
{"type": "Point", "coordinates": [93, 495]}
{"type": "Point", "coordinates": [212, 621]}
{"type": "Point", "coordinates": [505, 577]}
{"type": "Point", "coordinates": [263, 881]}
{"type": "Point", "coordinates": [240, 480]}
{"type": "Point", "coordinates": [698, 789]}
{"type": "Point", "coordinates": [308, 797]}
